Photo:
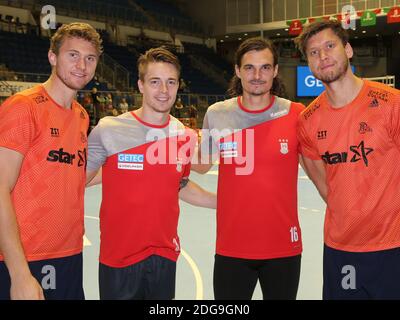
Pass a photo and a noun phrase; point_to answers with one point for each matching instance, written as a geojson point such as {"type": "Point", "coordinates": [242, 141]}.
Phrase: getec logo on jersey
{"type": "Point", "coordinates": [128, 161]}
{"type": "Point", "coordinates": [228, 149]}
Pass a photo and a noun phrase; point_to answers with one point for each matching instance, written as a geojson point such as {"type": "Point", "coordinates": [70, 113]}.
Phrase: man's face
{"type": "Point", "coordinates": [75, 63]}
{"type": "Point", "coordinates": [257, 72]}
{"type": "Point", "coordinates": [327, 58]}
{"type": "Point", "coordinates": [159, 86]}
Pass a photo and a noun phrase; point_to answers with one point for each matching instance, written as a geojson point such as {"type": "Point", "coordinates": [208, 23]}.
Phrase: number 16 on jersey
{"type": "Point", "coordinates": [294, 237]}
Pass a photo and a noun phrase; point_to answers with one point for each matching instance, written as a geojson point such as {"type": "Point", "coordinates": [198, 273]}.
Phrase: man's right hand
{"type": "Point", "coordinates": [26, 288]}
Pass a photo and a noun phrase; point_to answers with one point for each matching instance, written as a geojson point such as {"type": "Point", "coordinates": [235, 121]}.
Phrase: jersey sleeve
{"type": "Point", "coordinates": [97, 153]}
{"type": "Point", "coordinates": [191, 140]}
{"type": "Point", "coordinates": [17, 124]}
{"type": "Point", "coordinates": [186, 172]}
{"type": "Point", "coordinates": [87, 118]}
{"type": "Point", "coordinates": [208, 145]}
{"type": "Point", "coordinates": [307, 148]}
{"type": "Point", "coordinates": [298, 108]}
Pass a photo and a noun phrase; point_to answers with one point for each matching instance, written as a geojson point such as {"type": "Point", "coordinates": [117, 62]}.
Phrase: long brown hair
{"type": "Point", "coordinates": [235, 87]}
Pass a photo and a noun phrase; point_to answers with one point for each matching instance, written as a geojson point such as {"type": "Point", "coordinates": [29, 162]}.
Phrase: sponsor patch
{"type": "Point", "coordinates": [130, 161]}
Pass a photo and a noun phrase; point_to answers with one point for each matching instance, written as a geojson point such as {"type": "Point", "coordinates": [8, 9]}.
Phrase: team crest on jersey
{"type": "Point", "coordinates": [364, 128]}
{"type": "Point", "coordinates": [284, 146]}
{"type": "Point", "coordinates": [179, 165]}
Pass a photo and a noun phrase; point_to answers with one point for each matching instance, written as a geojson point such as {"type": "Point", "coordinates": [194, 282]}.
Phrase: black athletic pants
{"type": "Point", "coordinates": [236, 278]}
{"type": "Point", "coordinates": [150, 279]}
{"type": "Point", "coordinates": [361, 275]}
{"type": "Point", "coordinates": [60, 278]}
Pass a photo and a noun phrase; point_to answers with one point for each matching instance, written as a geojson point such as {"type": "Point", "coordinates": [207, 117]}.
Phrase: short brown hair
{"type": "Point", "coordinates": [257, 44]}
{"type": "Point", "coordinates": [159, 54]}
{"type": "Point", "coordinates": [76, 30]}
{"type": "Point", "coordinates": [316, 27]}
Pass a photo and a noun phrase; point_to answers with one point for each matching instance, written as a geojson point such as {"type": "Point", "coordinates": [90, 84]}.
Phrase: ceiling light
{"type": "Point", "coordinates": [364, 31]}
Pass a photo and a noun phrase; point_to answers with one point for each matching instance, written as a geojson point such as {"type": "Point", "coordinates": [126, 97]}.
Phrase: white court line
{"type": "Point", "coordinates": [91, 217]}
{"type": "Point", "coordinates": [312, 210]}
{"type": "Point", "coordinates": [192, 264]}
{"type": "Point", "coordinates": [197, 275]}
{"type": "Point", "coordinates": [214, 173]}
{"type": "Point", "coordinates": [86, 241]}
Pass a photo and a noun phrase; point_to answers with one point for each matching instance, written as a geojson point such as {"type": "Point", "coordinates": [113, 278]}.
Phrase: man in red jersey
{"type": "Point", "coordinates": [258, 232]}
{"type": "Point", "coordinates": [350, 140]}
{"type": "Point", "coordinates": [145, 160]}
{"type": "Point", "coordinates": [42, 163]}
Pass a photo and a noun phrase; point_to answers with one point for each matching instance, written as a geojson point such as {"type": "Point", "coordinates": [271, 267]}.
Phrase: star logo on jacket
{"type": "Point", "coordinates": [360, 153]}
{"type": "Point", "coordinates": [284, 146]}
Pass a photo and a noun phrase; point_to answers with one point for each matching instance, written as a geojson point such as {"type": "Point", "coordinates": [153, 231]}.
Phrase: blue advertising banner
{"type": "Point", "coordinates": [307, 85]}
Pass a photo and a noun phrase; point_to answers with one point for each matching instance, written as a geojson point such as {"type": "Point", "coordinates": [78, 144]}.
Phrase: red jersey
{"type": "Point", "coordinates": [257, 184]}
{"type": "Point", "coordinates": [143, 166]}
{"type": "Point", "coordinates": [48, 195]}
{"type": "Point", "coordinates": [360, 146]}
